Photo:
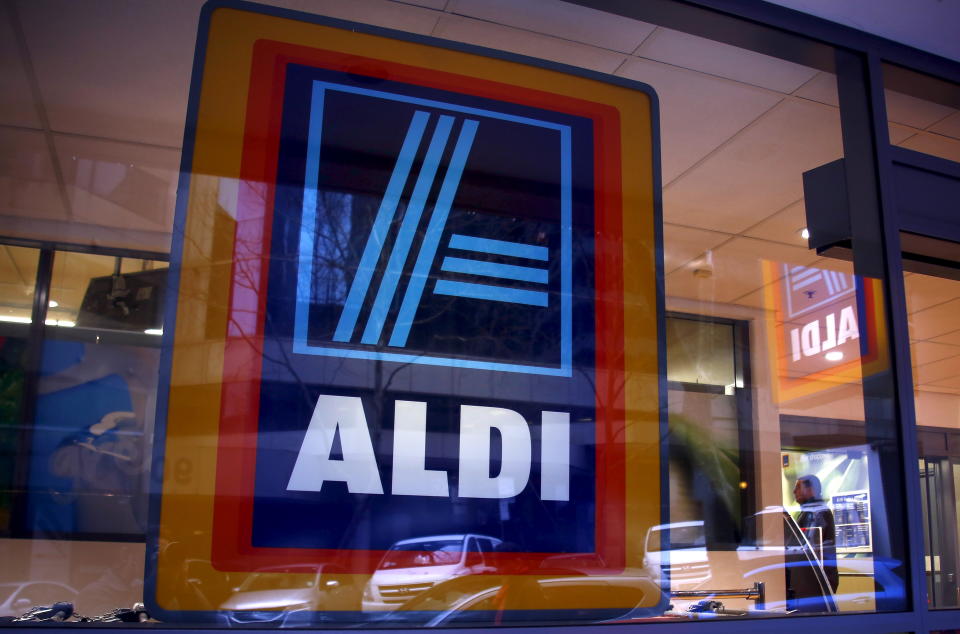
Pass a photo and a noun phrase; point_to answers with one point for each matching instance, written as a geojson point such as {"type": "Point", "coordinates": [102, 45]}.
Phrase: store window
{"type": "Point", "coordinates": [781, 490]}
{"type": "Point", "coordinates": [935, 358]}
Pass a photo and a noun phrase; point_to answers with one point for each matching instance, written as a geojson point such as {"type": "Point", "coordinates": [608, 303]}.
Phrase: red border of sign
{"type": "Point", "coordinates": [232, 547]}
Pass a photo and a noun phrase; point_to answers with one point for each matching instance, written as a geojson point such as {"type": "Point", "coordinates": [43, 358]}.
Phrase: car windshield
{"type": "Point", "coordinates": [297, 578]}
{"type": "Point", "coordinates": [679, 536]}
{"type": "Point", "coordinates": [438, 552]}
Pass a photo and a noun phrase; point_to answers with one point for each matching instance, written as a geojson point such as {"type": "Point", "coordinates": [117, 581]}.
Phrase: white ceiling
{"type": "Point", "coordinates": [93, 99]}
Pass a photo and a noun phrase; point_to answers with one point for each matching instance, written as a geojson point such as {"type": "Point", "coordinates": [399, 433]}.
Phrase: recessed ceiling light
{"type": "Point", "coordinates": [53, 303]}
{"type": "Point", "coordinates": [805, 233]}
{"type": "Point", "coordinates": [833, 355]}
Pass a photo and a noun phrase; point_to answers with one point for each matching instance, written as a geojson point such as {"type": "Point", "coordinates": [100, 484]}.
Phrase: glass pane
{"type": "Point", "coordinates": [767, 346]}
{"type": "Point", "coordinates": [18, 274]}
{"type": "Point", "coordinates": [923, 112]}
{"type": "Point", "coordinates": [935, 355]}
{"type": "Point", "coordinates": [107, 293]}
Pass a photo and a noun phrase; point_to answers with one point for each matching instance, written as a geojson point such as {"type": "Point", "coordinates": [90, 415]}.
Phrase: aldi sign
{"type": "Point", "coordinates": [418, 296]}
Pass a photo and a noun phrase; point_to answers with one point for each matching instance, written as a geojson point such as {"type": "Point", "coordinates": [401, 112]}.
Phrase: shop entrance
{"type": "Point", "coordinates": [939, 484]}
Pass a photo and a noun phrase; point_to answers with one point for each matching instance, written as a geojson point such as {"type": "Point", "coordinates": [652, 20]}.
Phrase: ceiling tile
{"type": "Point", "coordinates": [934, 322]}
{"type": "Point", "coordinates": [683, 244]}
{"type": "Point", "coordinates": [759, 172]}
{"type": "Point", "coordinates": [506, 38]}
{"type": "Point", "coordinates": [822, 88]}
{"type": "Point", "coordinates": [692, 127]}
{"type": "Point", "coordinates": [560, 19]}
{"type": "Point", "coordinates": [113, 68]}
{"type": "Point", "coordinates": [952, 338]}
{"type": "Point", "coordinates": [724, 60]}
{"type": "Point", "coordinates": [937, 371]}
{"type": "Point", "coordinates": [914, 112]}
{"type": "Point", "coordinates": [942, 146]}
{"type": "Point", "coordinates": [924, 291]}
{"type": "Point", "coordinates": [28, 184]}
{"type": "Point", "coordinates": [951, 382]}
{"type": "Point", "coordinates": [16, 97]}
{"type": "Point", "coordinates": [430, 4]}
{"type": "Point", "coordinates": [900, 133]}
{"type": "Point", "coordinates": [120, 184]}
{"type": "Point", "coordinates": [924, 352]}
{"type": "Point", "coordinates": [737, 268]}
{"type": "Point", "coordinates": [783, 226]}
{"type": "Point", "coordinates": [949, 126]}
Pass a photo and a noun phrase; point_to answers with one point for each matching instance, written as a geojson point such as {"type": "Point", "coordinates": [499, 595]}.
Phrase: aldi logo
{"type": "Point", "coordinates": [431, 309]}
{"type": "Point", "coordinates": [421, 276]}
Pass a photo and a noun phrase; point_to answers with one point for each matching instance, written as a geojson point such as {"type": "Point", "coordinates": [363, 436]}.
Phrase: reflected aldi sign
{"type": "Point", "coordinates": [417, 299]}
{"type": "Point", "coordinates": [824, 326]}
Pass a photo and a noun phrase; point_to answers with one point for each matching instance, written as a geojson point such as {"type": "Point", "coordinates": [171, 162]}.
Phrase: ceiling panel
{"type": "Point", "coordinates": [16, 98]}
{"type": "Point", "coordinates": [737, 270]}
{"type": "Point", "coordinates": [924, 352]}
{"type": "Point", "coordinates": [949, 126]}
{"type": "Point", "coordinates": [120, 184]}
{"type": "Point", "coordinates": [952, 338]}
{"type": "Point", "coordinates": [723, 60]}
{"type": "Point", "coordinates": [942, 146]}
{"type": "Point", "coordinates": [113, 68]}
{"type": "Point", "coordinates": [759, 172]}
{"type": "Point", "coordinates": [936, 321]}
{"type": "Point", "coordinates": [914, 112]}
{"type": "Point", "coordinates": [683, 244]}
{"type": "Point", "coordinates": [938, 371]}
{"type": "Point", "coordinates": [28, 185]}
{"type": "Point", "coordinates": [784, 226]}
{"type": "Point", "coordinates": [924, 291]}
{"type": "Point", "coordinates": [560, 19]}
{"type": "Point", "coordinates": [693, 127]}
{"type": "Point", "coordinates": [525, 43]}
{"type": "Point", "coordinates": [822, 88]}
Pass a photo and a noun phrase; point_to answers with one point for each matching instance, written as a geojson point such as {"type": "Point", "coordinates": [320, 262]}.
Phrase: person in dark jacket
{"type": "Point", "coordinates": [816, 522]}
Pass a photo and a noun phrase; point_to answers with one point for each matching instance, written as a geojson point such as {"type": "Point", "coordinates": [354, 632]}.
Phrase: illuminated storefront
{"type": "Point", "coordinates": [478, 313]}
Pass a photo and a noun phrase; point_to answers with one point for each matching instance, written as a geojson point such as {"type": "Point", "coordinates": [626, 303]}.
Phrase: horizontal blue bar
{"type": "Point", "coordinates": [494, 269]}
{"type": "Point", "coordinates": [498, 247]}
{"type": "Point", "coordinates": [492, 293]}
{"type": "Point", "coordinates": [300, 347]}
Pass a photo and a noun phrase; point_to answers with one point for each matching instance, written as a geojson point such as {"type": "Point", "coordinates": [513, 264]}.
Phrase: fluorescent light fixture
{"type": "Point", "coordinates": [53, 303]}
{"type": "Point", "coordinates": [805, 233]}
{"type": "Point", "coordinates": [153, 331]}
{"type": "Point", "coordinates": [833, 355]}
{"type": "Point", "coordinates": [15, 320]}
{"type": "Point", "coordinates": [63, 323]}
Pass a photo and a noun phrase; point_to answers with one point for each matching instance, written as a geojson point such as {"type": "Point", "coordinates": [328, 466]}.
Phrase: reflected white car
{"type": "Point", "coordinates": [413, 566]}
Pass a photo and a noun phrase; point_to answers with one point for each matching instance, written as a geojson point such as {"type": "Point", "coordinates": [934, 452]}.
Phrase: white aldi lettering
{"type": "Point", "coordinates": [807, 341]}
{"type": "Point", "coordinates": [344, 416]}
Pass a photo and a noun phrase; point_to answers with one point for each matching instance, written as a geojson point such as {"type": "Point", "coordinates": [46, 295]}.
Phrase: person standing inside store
{"type": "Point", "coordinates": [816, 522]}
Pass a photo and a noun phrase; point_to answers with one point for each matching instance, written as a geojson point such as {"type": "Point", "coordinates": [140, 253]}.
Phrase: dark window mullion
{"type": "Point", "coordinates": [28, 409]}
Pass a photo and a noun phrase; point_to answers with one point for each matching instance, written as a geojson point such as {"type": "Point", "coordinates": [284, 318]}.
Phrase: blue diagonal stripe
{"type": "Point", "coordinates": [489, 292]}
{"type": "Point", "coordinates": [498, 247]}
{"type": "Point", "coordinates": [495, 269]}
{"type": "Point", "coordinates": [411, 219]}
{"type": "Point", "coordinates": [308, 219]}
{"type": "Point", "coordinates": [431, 239]}
{"type": "Point", "coordinates": [388, 207]}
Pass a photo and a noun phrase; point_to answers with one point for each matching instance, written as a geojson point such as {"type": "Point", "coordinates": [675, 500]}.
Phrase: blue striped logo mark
{"type": "Point", "coordinates": [473, 277]}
